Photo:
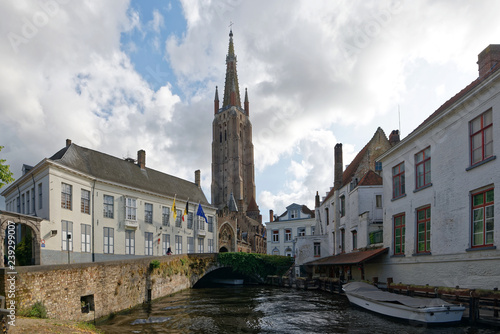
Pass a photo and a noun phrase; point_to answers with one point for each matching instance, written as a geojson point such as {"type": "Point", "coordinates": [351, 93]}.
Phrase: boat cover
{"type": "Point", "coordinates": [365, 290]}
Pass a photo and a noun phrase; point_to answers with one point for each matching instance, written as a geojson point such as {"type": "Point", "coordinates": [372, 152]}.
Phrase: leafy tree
{"type": "Point", "coordinates": [6, 175]}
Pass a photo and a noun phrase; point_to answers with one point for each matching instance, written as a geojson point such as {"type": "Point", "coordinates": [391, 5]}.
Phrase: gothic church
{"type": "Point", "coordinates": [240, 225]}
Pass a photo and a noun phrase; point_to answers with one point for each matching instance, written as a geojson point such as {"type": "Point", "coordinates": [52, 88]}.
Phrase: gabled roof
{"type": "Point", "coordinates": [303, 209]}
{"type": "Point", "coordinates": [349, 172]}
{"type": "Point", "coordinates": [371, 179]}
{"type": "Point", "coordinates": [108, 168]}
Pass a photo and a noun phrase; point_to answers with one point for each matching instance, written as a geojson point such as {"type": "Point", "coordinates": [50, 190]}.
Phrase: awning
{"type": "Point", "coordinates": [349, 258]}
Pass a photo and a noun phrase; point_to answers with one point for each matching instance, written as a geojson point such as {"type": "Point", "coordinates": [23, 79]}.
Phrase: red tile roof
{"type": "Point", "coordinates": [349, 258]}
{"type": "Point", "coordinates": [370, 179]}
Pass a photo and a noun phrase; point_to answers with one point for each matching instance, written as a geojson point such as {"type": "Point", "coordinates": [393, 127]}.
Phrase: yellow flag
{"type": "Point", "coordinates": [174, 211]}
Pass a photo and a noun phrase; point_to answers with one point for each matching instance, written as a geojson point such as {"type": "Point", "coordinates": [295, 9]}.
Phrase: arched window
{"type": "Point", "coordinates": [276, 251]}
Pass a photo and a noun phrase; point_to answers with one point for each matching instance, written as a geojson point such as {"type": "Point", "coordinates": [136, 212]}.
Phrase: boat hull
{"type": "Point", "coordinates": [429, 315]}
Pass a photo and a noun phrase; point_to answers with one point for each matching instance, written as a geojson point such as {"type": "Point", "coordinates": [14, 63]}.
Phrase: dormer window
{"type": "Point", "coordinates": [294, 214]}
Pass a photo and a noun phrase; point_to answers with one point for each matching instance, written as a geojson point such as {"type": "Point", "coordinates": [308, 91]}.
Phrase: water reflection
{"type": "Point", "coordinates": [257, 309]}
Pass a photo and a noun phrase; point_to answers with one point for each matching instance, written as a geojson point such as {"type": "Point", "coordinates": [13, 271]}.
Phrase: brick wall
{"type": "Point", "coordinates": [115, 286]}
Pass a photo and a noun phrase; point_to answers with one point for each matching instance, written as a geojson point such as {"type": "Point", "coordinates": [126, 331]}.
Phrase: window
{"type": "Point", "coordinates": [40, 196]}
{"type": "Point", "coordinates": [398, 180]}
{"type": "Point", "coordinates": [399, 234]}
{"type": "Point", "coordinates": [108, 206]}
{"type": "Point", "coordinates": [327, 217]}
{"type": "Point", "coordinates": [190, 245]}
{"type": "Point", "coordinates": [312, 230]}
{"type": "Point", "coordinates": [424, 230]}
{"type": "Point", "coordinates": [85, 207]}
{"type": "Point", "coordinates": [165, 243]}
{"type": "Point", "coordinates": [201, 246]}
{"type": "Point", "coordinates": [423, 168]}
{"type": "Point", "coordinates": [165, 216]}
{"type": "Point", "coordinates": [342, 240]}
{"type": "Point", "coordinates": [294, 214]}
{"type": "Point", "coordinates": [201, 223]}
{"type": "Point", "coordinates": [109, 240]}
{"type": "Point", "coordinates": [85, 238]}
{"type": "Point", "coordinates": [24, 203]}
{"type": "Point", "coordinates": [288, 234]}
{"type": "Point", "coordinates": [148, 243]}
{"type": "Point", "coordinates": [210, 224]}
{"type": "Point", "coordinates": [190, 221]}
{"type": "Point", "coordinates": [67, 236]}
{"type": "Point", "coordinates": [129, 242]}
{"type": "Point", "coordinates": [210, 245]}
{"type": "Point", "coordinates": [301, 231]}
{"type": "Point", "coordinates": [28, 202]}
{"type": "Point", "coordinates": [276, 236]}
{"type": "Point", "coordinates": [18, 204]}
{"type": "Point", "coordinates": [481, 137]}
{"type": "Point", "coordinates": [317, 249]}
{"type": "Point", "coordinates": [130, 209]}
{"type": "Point", "coordinates": [32, 200]}
{"type": "Point", "coordinates": [148, 213]}
{"type": "Point", "coordinates": [276, 251]}
{"type": "Point", "coordinates": [66, 196]}
{"type": "Point", "coordinates": [354, 239]}
{"type": "Point", "coordinates": [376, 237]}
{"type": "Point", "coordinates": [178, 244]}
{"type": "Point", "coordinates": [378, 166]}
{"type": "Point", "coordinates": [482, 218]}
{"type": "Point", "coordinates": [342, 206]}
{"type": "Point", "coordinates": [378, 201]}
{"type": "Point", "coordinates": [178, 222]}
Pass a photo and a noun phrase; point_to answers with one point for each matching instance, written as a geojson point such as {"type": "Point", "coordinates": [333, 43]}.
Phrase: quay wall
{"type": "Point", "coordinates": [107, 286]}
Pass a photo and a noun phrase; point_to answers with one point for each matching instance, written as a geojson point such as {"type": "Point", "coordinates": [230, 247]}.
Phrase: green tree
{"type": "Point", "coordinates": [6, 175]}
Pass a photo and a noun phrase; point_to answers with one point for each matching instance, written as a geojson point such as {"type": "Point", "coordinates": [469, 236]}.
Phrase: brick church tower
{"type": "Point", "coordinates": [233, 179]}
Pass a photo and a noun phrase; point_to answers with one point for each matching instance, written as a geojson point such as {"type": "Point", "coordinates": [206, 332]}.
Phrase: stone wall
{"type": "Point", "coordinates": [113, 286]}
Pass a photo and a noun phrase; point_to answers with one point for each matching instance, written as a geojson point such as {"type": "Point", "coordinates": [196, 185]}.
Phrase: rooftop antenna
{"type": "Point", "coordinates": [231, 25]}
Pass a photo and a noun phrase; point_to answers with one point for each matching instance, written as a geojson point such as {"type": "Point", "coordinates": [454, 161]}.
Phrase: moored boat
{"type": "Point", "coordinates": [425, 310]}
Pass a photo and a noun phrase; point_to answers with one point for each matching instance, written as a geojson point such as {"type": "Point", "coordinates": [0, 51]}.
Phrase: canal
{"type": "Point", "coordinates": [260, 309]}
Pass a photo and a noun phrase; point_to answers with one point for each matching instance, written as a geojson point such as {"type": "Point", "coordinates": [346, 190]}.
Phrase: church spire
{"type": "Point", "coordinates": [231, 88]}
{"type": "Point", "coordinates": [216, 100]}
{"type": "Point", "coordinates": [246, 103]}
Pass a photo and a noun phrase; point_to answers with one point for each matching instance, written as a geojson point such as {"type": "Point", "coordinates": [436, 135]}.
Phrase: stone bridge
{"type": "Point", "coordinates": [86, 291]}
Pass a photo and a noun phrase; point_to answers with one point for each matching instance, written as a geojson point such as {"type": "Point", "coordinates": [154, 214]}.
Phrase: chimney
{"type": "Point", "coordinates": [394, 137]}
{"type": "Point", "coordinates": [317, 200]}
{"type": "Point", "coordinates": [337, 182]}
{"type": "Point", "coordinates": [488, 59]}
{"type": "Point", "coordinates": [271, 216]}
{"type": "Point", "coordinates": [197, 178]}
{"type": "Point", "coordinates": [141, 159]}
{"type": "Point", "coordinates": [68, 142]}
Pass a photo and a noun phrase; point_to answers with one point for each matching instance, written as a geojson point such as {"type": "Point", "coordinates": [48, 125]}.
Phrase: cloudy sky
{"type": "Point", "coordinates": [119, 76]}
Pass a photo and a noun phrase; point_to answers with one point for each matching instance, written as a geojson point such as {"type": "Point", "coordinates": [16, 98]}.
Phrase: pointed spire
{"type": "Point", "coordinates": [246, 103]}
{"type": "Point", "coordinates": [231, 87]}
{"type": "Point", "coordinates": [216, 100]}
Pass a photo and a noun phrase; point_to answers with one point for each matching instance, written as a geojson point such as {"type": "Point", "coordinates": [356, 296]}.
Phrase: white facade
{"type": "Point", "coordinates": [282, 233]}
{"type": "Point", "coordinates": [458, 239]}
{"type": "Point", "coordinates": [107, 220]}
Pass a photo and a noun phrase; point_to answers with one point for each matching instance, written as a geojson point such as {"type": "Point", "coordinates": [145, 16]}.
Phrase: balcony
{"type": "Point", "coordinates": [201, 233]}
{"type": "Point", "coordinates": [131, 224]}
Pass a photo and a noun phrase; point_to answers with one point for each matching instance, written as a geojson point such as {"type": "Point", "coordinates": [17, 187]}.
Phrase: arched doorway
{"type": "Point", "coordinates": [227, 238]}
{"type": "Point", "coordinates": [25, 231]}
{"type": "Point", "coordinates": [223, 250]}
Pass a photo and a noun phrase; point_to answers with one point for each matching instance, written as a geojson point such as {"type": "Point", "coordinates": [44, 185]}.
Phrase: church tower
{"type": "Point", "coordinates": [232, 148]}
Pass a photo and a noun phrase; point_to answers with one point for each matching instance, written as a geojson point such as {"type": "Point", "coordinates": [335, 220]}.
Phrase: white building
{"type": "Point", "coordinates": [439, 186]}
{"type": "Point", "coordinates": [96, 207]}
{"type": "Point", "coordinates": [349, 218]}
{"type": "Point", "coordinates": [283, 231]}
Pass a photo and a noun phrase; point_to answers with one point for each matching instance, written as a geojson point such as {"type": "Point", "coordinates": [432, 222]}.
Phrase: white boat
{"type": "Point", "coordinates": [424, 310]}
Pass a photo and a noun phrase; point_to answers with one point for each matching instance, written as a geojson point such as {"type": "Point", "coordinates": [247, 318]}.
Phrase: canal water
{"type": "Point", "coordinates": [260, 309]}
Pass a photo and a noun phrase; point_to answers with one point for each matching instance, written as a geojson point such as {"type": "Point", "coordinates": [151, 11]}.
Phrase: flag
{"type": "Point", "coordinates": [201, 213]}
{"type": "Point", "coordinates": [185, 210]}
{"type": "Point", "coordinates": [174, 211]}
